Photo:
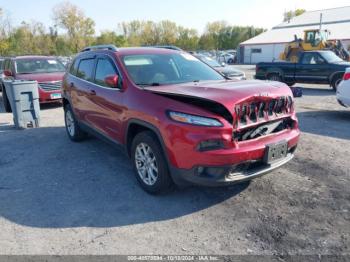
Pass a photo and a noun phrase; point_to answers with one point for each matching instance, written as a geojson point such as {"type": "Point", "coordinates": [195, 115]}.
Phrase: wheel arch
{"type": "Point", "coordinates": [136, 126]}
{"type": "Point", "coordinates": [334, 75]}
{"type": "Point", "coordinates": [276, 71]}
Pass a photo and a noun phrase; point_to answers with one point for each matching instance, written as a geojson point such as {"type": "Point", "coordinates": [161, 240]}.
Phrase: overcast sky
{"type": "Point", "coordinates": [189, 13]}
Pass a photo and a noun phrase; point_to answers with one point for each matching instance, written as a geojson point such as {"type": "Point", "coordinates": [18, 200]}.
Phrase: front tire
{"type": "Point", "coordinates": [74, 132]}
{"type": "Point", "coordinates": [150, 165]}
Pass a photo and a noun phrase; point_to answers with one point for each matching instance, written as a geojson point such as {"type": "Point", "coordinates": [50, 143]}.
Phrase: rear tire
{"type": "Point", "coordinates": [74, 132]}
{"type": "Point", "coordinates": [274, 77]}
{"type": "Point", "coordinates": [149, 163]}
{"type": "Point", "coordinates": [6, 102]}
{"type": "Point", "coordinates": [335, 82]}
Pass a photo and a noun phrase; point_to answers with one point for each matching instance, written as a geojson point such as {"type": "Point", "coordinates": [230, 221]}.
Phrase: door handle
{"type": "Point", "coordinates": [92, 92]}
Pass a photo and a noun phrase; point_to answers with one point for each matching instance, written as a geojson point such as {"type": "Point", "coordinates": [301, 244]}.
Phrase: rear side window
{"type": "Point", "coordinates": [74, 67]}
{"type": "Point", "coordinates": [85, 69]}
{"type": "Point", "coordinates": [104, 68]}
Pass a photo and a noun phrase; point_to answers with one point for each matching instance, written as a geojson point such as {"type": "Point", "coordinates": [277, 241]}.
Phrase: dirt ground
{"type": "Point", "coordinates": [59, 197]}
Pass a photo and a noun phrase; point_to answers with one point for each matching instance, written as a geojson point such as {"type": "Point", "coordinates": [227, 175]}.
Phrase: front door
{"type": "Point", "coordinates": [106, 100]}
{"type": "Point", "coordinates": [313, 68]}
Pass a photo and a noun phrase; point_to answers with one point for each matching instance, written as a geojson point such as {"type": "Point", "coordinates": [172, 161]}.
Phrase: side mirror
{"type": "Point", "coordinates": [112, 81]}
{"type": "Point", "coordinates": [8, 73]}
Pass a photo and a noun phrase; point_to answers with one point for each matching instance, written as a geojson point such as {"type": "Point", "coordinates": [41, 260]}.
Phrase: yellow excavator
{"type": "Point", "coordinates": [315, 39]}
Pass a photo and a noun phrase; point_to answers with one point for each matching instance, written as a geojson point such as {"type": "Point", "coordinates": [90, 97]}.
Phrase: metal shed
{"type": "Point", "coordinates": [267, 46]}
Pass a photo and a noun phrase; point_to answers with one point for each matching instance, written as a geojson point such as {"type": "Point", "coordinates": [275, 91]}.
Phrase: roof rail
{"type": "Point", "coordinates": [171, 47]}
{"type": "Point", "coordinates": [100, 47]}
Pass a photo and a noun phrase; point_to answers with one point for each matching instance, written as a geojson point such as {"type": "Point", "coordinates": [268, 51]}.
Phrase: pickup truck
{"type": "Point", "coordinates": [314, 67]}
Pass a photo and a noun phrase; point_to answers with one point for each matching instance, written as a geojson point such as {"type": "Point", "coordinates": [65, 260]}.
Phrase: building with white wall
{"type": "Point", "coordinates": [267, 46]}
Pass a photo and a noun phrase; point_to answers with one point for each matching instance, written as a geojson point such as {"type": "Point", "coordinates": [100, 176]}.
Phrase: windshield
{"type": "Point", "coordinates": [38, 65]}
{"type": "Point", "coordinates": [160, 69]}
{"type": "Point", "coordinates": [209, 61]}
{"type": "Point", "coordinates": [331, 57]}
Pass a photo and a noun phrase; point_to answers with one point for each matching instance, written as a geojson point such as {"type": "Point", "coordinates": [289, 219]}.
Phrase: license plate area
{"type": "Point", "coordinates": [56, 96]}
{"type": "Point", "coordinates": [275, 152]}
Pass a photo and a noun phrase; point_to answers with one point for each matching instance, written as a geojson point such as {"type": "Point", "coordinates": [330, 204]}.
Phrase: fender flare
{"type": "Point", "coordinates": [153, 128]}
{"type": "Point", "coordinates": [148, 126]}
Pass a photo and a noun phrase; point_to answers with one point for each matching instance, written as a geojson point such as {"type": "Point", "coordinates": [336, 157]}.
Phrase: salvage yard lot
{"type": "Point", "coordinates": [59, 197]}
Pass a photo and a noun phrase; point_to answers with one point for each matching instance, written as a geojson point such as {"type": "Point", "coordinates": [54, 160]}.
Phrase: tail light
{"type": "Point", "coordinates": [346, 76]}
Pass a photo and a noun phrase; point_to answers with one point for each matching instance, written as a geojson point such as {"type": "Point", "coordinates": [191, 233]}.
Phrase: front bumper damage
{"type": "Point", "coordinates": [227, 175]}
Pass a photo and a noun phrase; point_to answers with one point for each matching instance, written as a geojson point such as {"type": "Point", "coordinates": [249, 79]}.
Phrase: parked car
{"type": "Point", "coordinates": [227, 71]}
{"type": "Point", "coordinates": [48, 71]}
{"type": "Point", "coordinates": [231, 51]}
{"type": "Point", "coordinates": [343, 90]}
{"type": "Point", "coordinates": [177, 118]}
{"type": "Point", "coordinates": [315, 67]}
{"type": "Point", "coordinates": [65, 60]}
{"type": "Point", "coordinates": [206, 53]}
{"type": "Point", "coordinates": [224, 57]}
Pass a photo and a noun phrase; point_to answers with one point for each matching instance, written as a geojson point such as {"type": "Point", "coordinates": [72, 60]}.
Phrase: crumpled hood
{"type": "Point", "coordinates": [228, 93]}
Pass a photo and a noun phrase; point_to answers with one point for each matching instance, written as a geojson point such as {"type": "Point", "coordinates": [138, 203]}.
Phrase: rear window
{"type": "Point", "coordinates": [85, 69]}
{"type": "Point", "coordinates": [38, 65]}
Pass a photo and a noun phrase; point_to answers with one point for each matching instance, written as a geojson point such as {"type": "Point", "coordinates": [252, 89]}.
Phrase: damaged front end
{"type": "Point", "coordinates": [262, 117]}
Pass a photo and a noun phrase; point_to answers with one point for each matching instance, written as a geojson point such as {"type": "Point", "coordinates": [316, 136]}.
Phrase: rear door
{"type": "Point", "coordinates": [312, 69]}
{"type": "Point", "coordinates": [105, 101]}
{"type": "Point", "coordinates": [80, 84]}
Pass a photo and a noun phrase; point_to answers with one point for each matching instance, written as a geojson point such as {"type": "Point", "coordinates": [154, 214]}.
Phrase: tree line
{"type": "Point", "coordinates": [72, 30]}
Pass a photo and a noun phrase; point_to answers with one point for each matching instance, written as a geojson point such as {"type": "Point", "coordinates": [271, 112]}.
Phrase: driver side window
{"type": "Point", "coordinates": [104, 68]}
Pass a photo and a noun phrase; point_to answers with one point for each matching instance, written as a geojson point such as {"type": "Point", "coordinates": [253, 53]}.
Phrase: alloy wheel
{"type": "Point", "coordinates": [70, 123]}
{"type": "Point", "coordinates": [146, 164]}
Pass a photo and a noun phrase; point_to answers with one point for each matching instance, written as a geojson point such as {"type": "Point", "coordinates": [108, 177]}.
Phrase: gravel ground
{"type": "Point", "coordinates": [59, 197]}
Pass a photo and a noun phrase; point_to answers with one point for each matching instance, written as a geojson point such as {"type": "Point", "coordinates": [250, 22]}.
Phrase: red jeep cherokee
{"type": "Point", "coordinates": [48, 71]}
{"type": "Point", "coordinates": [178, 119]}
